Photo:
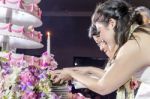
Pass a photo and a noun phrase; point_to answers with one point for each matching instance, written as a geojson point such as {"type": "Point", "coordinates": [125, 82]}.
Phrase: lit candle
{"type": "Point", "coordinates": [48, 43]}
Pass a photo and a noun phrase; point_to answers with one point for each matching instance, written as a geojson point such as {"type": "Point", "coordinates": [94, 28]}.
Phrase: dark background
{"type": "Point", "coordinates": [69, 20]}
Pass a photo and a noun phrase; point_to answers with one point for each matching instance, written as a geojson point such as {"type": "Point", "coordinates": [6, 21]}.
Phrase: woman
{"type": "Point", "coordinates": [144, 89]}
{"type": "Point", "coordinates": [129, 52]}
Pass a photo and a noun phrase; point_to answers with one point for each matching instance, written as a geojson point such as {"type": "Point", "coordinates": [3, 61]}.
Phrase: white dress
{"type": "Point", "coordinates": [144, 89]}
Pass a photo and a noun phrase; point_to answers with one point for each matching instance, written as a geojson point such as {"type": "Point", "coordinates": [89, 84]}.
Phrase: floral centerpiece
{"type": "Point", "coordinates": [26, 82]}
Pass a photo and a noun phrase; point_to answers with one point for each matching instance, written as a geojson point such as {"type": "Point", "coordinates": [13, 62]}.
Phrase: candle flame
{"type": "Point", "coordinates": [48, 33]}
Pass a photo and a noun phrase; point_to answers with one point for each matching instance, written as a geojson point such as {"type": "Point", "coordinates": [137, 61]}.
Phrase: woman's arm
{"type": "Point", "coordinates": [58, 76]}
{"type": "Point", "coordinates": [94, 71]}
{"type": "Point", "coordinates": [128, 61]}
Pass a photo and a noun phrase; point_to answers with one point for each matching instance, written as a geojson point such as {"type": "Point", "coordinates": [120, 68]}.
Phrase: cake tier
{"type": "Point", "coordinates": [24, 1]}
{"type": "Point", "coordinates": [15, 59]}
{"type": "Point", "coordinates": [20, 13]}
{"type": "Point", "coordinates": [31, 1]}
{"type": "Point", "coordinates": [20, 37]}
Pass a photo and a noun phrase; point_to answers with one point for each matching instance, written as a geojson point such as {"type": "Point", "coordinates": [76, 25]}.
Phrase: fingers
{"type": "Point", "coordinates": [53, 77]}
{"type": "Point", "coordinates": [61, 81]}
{"type": "Point", "coordinates": [57, 79]}
{"type": "Point", "coordinates": [54, 74]}
{"type": "Point", "coordinates": [61, 76]}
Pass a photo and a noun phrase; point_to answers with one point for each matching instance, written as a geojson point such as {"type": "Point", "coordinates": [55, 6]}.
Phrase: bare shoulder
{"type": "Point", "coordinates": [131, 47]}
{"type": "Point", "coordinates": [139, 41]}
{"type": "Point", "coordinates": [143, 40]}
{"type": "Point", "coordinates": [137, 50]}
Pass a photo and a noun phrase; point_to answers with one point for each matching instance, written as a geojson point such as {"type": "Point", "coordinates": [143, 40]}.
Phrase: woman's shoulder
{"type": "Point", "coordinates": [139, 39]}
{"type": "Point", "coordinates": [142, 34]}
{"type": "Point", "coordinates": [143, 29]}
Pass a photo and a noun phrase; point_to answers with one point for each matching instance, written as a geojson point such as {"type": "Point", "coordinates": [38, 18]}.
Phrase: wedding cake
{"type": "Point", "coordinates": [24, 76]}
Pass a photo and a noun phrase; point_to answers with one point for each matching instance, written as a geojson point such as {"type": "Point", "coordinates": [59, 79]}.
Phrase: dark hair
{"type": "Point", "coordinates": [93, 31]}
{"type": "Point", "coordinates": [118, 10]}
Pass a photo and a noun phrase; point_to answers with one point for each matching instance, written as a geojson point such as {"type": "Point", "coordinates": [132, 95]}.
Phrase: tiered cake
{"type": "Point", "coordinates": [15, 18]}
{"type": "Point", "coordinates": [23, 76]}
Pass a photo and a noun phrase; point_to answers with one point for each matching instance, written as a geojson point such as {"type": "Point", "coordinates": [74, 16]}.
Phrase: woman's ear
{"type": "Point", "coordinates": [112, 23]}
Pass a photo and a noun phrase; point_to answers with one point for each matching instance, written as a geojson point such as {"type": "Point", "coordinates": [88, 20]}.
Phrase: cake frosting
{"type": "Point", "coordinates": [20, 32]}
{"type": "Point", "coordinates": [31, 1]}
{"type": "Point", "coordinates": [21, 5]}
{"type": "Point", "coordinates": [44, 62]}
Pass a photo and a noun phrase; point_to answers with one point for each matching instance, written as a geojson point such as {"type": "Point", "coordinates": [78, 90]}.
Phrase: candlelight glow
{"type": "Point", "coordinates": [48, 33]}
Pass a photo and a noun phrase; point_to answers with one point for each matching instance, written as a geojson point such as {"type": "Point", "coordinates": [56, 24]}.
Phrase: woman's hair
{"type": "Point", "coordinates": [118, 10]}
{"type": "Point", "coordinates": [141, 16]}
{"type": "Point", "coordinates": [140, 13]}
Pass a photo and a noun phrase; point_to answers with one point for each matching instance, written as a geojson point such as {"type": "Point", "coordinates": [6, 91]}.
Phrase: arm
{"type": "Point", "coordinates": [128, 61]}
{"type": "Point", "coordinates": [98, 72]}
{"type": "Point", "coordinates": [58, 76]}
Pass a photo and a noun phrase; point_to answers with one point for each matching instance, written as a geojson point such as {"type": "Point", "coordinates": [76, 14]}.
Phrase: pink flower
{"type": "Point", "coordinates": [27, 77]}
{"type": "Point", "coordinates": [48, 61]}
{"type": "Point", "coordinates": [75, 96]}
{"type": "Point", "coordinates": [30, 95]}
{"type": "Point", "coordinates": [134, 84]}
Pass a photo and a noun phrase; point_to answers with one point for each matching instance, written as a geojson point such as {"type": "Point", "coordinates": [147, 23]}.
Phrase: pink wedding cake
{"type": "Point", "coordinates": [23, 76]}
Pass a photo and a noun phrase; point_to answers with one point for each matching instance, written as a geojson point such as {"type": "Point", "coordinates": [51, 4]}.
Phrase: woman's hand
{"type": "Point", "coordinates": [61, 76]}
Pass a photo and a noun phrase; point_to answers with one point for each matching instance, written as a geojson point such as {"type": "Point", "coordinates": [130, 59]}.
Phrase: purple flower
{"type": "Point", "coordinates": [28, 78]}
{"type": "Point", "coordinates": [23, 87]}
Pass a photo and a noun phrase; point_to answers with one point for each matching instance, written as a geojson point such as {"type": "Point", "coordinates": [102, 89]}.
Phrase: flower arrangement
{"type": "Point", "coordinates": [26, 82]}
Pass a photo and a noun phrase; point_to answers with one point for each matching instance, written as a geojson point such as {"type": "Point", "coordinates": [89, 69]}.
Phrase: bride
{"type": "Point", "coordinates": [129, 51]}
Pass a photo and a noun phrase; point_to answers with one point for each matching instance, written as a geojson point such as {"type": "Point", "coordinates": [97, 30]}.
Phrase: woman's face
{"type": "Point", "coordinates": [106, 40]}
